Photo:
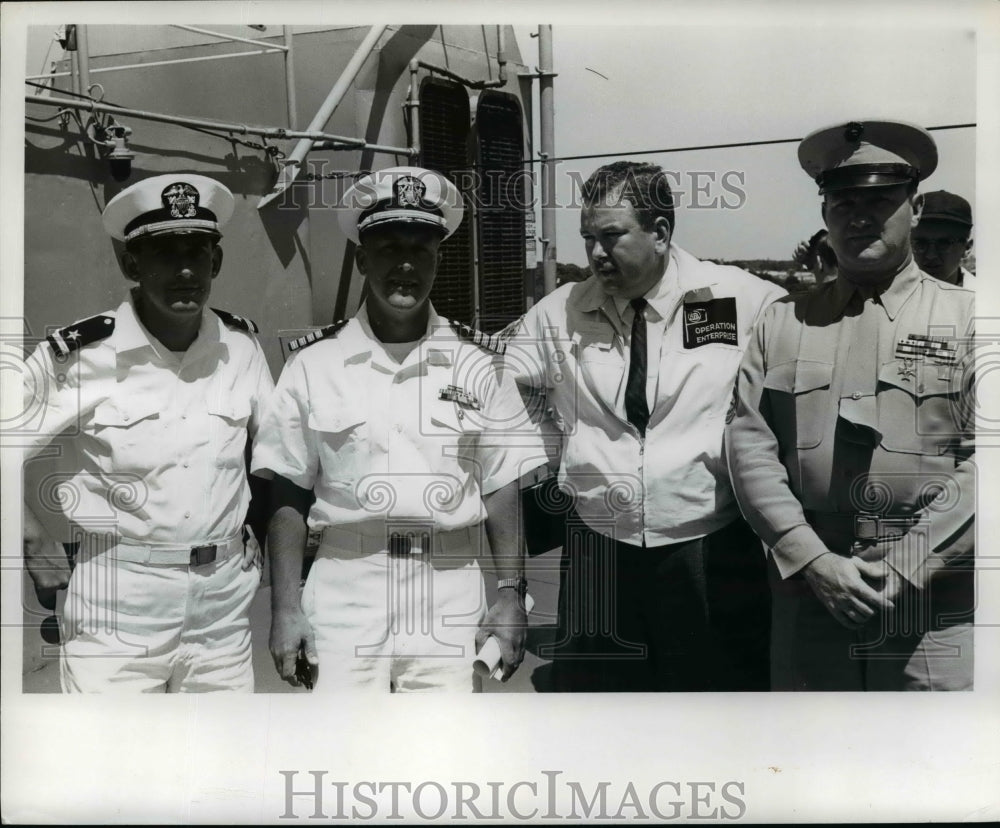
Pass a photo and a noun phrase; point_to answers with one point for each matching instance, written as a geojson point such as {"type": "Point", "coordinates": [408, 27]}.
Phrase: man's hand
{"type": "Point", "coordinates": [252, 554]}
{"type": "Point", "coordinates": [45, 560]}
{"type": "Point", "coordinates": [884, 579]}
{"type": "Point", "coordinates": [290, 632]}
{"type": "Point", "coordinates": [843, 586]}
{"type": "Point", "coordinates": [508, 621]}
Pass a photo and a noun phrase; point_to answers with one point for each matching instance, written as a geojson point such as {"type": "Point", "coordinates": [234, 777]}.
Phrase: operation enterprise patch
{"type": "Point", "coordinates": [711, 322]}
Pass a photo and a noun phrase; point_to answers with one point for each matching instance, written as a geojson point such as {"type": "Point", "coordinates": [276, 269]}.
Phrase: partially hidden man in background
{"type": "Point", "coordinates": [663, 585]}
{"type": "Point", "coordinates": [943, 237]}
{"type": "Point", "coordinates": [851, 446]}
{"type": "Point", "coordinates": [396, 436]}
{"type": "Point", "coordinates": [153, 405]}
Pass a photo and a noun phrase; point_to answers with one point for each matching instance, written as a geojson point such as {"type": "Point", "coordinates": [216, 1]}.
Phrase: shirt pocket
{"type": "Point", "coordinates": [229, 418]}
{"type": "Point", "coordinates": [448, 418]}
{"type": "Point", "coordinates": [799, 398]}
{"type": "Point", "coordinates": [919, 406]}
{"type": "Point", "coordinates": [342, 438]}
{"type": "Point", "coordinates": [596, 345]}
{"type": "Point", "coordinates": [130, 434]}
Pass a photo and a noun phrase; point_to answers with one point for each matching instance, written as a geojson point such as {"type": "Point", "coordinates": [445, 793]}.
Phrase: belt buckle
{"type": "Point", "coordinates": [866, 527]}
{"type": "Point", "coordinates": [400, 544]}
{"type": "Point", "coordinates": [201, 555]}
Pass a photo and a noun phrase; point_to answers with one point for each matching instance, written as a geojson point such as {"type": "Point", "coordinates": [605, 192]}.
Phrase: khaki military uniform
{"type": "Point", "coordinates": [852, 432]}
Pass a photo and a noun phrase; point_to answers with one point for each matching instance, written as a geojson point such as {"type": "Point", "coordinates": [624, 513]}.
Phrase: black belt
{"type": "Point", "coordinates": [402, 544]}
{"type": "Point", "coordinates": [202, 555]}
{"type": "Point", "coordinates": [862, 526]}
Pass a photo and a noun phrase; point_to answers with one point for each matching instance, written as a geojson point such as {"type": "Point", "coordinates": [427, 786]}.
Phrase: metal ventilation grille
{"type": "Point", "coordinates": [444, 135]}
{"type": "Point", "coordinates": [502, 200]}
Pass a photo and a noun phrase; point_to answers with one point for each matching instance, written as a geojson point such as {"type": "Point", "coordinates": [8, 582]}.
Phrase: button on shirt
{"type": "Point", "coordinates": [574, 346]}
{"type": "Point", "coordinates": [154, 441]}
{"type": "Point", "coordinates": [376, 439]}
{"type": "Point", "coordinates": [833, 415]}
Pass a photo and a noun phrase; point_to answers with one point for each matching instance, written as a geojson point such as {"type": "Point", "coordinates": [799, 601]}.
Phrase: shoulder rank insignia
{"type": "Point", "coordinates": [73, 337]}
{"type": "Point", "coordinates": [937, 349]}
{"type": "Point", "coordinates": [234, 321]}
{"type": "Point", "coordinates": [494, 342]}
{"type": "Point", "coordinates": [452, 393]}
{"type": "Point", "coordinates": [316, 336]}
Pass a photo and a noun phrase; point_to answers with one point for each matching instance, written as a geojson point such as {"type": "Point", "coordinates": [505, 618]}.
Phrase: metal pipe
{"type": "Point", "coordinates": [279, 133]}
{"type": "Point", "coordinates": [471, 84]}
{"type": "Point", "coordinates": [361, 144]}
{"type": "Point", "coordinates": [157, 63]}
{"type": "Point", "coordinates": [547, 119]}
{"type": "Point", "coordinates": [333, 99]}
{"type": "Point", "coordinates": [501, 56]}
{"type": "Point", "coordinates": [293, 120]}
{"type": "Point", "coordinates": [83, 57]}
{"type": "Point", "coordinates": [226, 36]}
{"type": "Point", "coordinates": [74, 65]}
{"type": "Point", "coordinates": [413, 109]}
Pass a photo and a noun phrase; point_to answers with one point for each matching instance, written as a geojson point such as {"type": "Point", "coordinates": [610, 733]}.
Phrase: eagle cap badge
{"type": "Point", "coordinates": [181, 199]}
{"type": "Point", "coordinates": [409, 191]}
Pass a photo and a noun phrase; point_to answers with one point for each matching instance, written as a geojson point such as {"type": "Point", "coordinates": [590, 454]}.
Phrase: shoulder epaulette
{"type": "Point", "coordinates": [234, 321]}
{"type": "Point", "coordinates": [316, 336]}
{"type": "Point", "coordinates": [73, 337]}
{"type": "Point", "coordinates": [494, 342]}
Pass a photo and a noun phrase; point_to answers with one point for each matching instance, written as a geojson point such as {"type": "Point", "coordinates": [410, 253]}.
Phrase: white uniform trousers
{"type": "Point", "coordinates": [395, 621]}
{"type": "Point", "coordinates": [141, 626]}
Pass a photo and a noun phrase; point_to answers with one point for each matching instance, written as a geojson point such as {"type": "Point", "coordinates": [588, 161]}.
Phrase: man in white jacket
{"type": "Point", "coordinates": [663, 585]}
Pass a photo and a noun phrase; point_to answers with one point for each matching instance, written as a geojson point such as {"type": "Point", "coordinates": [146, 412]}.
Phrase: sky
{"type": "Point", "coordinates": [629, 88]}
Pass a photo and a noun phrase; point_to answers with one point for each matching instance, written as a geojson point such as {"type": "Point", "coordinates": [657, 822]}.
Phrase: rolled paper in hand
{"type": "Point", "coordinates": [489, 661]}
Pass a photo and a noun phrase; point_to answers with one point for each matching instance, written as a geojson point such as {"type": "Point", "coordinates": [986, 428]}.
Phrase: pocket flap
{"type": "Point", "coordinates": [237, 410]}
{"type": "Point", "coordinates": [453, 418]}
{"type": "Point", "coordinates": [921, 379]}
{"type": "Point", "coordinates": [334, 421]}
{"type": "Point", "coordinates": [124, 413]}
{"type": "Point", "coordinates": [798, 376]}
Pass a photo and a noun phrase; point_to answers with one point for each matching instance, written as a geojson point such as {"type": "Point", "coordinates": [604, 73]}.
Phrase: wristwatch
{"type": "Point", "coordinates": [519, 583]}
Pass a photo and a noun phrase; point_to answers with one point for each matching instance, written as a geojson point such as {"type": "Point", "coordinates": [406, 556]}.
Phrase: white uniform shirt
{"type": "Point", "coordinates": [379, 440]}
{"type": "Point", "coordinates": [155, 440]}
{"type": "Point", "coordinates": [671, 486]}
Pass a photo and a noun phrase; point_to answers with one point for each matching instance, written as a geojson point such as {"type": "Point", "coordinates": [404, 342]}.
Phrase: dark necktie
{"type": "Point", "coordinates": [635, 390]}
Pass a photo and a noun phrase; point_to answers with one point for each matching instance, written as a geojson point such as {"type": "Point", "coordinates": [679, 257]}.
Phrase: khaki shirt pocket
{"type": "Point", "coordinates": [798, 393]}
{"type": "Point", "coordinates": [919, 406]}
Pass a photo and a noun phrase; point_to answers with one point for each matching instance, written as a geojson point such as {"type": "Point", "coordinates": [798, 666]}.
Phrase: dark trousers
{"type": "Point", "coordinates": [685, 617]}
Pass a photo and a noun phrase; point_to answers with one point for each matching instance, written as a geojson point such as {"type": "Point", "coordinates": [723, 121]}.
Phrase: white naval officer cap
{"type": "Point", "coordinates": [174, 203]}
{"type": "Point", "coordinates": [410, 195]}
{"type": "Point", "coordinates": [868, 154]}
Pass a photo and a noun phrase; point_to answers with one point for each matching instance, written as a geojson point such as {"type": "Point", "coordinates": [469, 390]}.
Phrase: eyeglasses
{"type": "Point", "coordinates": [938, 244]}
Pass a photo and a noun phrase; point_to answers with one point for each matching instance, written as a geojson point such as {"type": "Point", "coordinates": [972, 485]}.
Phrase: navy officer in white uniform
{"type": "Point", "coordinates": [398, 438]}
{"type": "Point", "coordinates": [153, 405]}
